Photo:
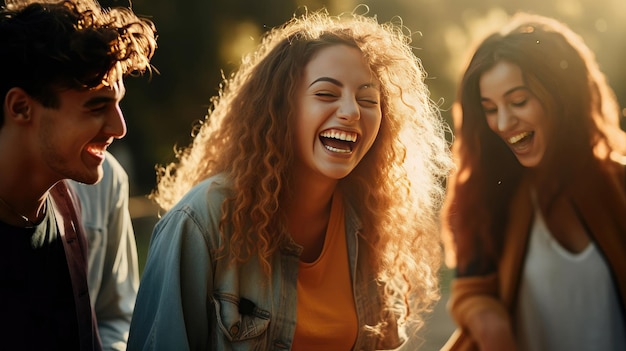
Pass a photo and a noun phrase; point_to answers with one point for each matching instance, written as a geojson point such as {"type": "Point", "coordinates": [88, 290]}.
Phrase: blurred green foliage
{"type": "Point", "coordinates": [202, 40]}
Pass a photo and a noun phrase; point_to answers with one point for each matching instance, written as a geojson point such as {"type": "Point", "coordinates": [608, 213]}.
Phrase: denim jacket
{"type": "Point", "coordinates": [189, 299]}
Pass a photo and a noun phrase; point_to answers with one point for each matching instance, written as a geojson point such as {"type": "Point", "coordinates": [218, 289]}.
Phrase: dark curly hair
{"type": "Point", "coordinates": [72, 44]}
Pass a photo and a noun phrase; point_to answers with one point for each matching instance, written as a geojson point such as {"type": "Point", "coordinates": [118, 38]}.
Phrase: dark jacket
{"type": "Point", "coordinates": [75, 244]}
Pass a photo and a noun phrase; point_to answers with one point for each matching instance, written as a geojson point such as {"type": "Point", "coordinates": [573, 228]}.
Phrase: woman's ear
{"type": "Point", "coordinates": [17, 105]}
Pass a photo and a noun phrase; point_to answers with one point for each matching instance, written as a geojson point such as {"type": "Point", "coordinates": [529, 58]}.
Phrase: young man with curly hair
{"type": "Point", "coordinates": [61, 82]}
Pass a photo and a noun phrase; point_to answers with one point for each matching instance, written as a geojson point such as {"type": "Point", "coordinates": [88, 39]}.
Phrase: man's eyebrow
{"type": "Point", "coordinates": [103, 99]}
{"type": "Point", "coordinates": [97, 100]}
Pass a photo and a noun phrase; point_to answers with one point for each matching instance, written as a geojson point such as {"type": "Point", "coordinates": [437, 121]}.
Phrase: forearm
{"type": "Point", "coordinates": [475, 307]}
{"type": "Point", "coordinates": [491, 329]}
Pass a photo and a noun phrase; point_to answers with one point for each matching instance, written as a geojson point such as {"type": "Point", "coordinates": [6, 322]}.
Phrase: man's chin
{"type": "Point", "coordinates": [90, 179]}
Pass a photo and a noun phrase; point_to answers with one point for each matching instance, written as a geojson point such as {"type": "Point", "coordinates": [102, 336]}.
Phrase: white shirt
{"type": "Point", "coordinates": [567, 301]}
{"type": "Point", "coordinates": [113, 276]}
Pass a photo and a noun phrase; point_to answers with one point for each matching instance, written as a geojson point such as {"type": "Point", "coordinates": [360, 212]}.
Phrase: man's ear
{"type": "Point", "coordinates": [18, 105]}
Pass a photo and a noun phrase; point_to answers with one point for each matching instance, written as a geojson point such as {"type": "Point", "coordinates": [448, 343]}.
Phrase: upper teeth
{"type": "Point", "coordinates": [95, 149]}
{"type": "Point", "coordinates": [518, 137]}
{"type": "Point", "coordinates": [340, 135]}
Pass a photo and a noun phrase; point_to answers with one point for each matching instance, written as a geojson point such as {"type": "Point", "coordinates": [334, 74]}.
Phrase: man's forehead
{"type": "Point", "coordinates": [113, 92]}
{"type": "Point", "coordinates": [115, 87]}
{"type": "Point", "coordinates": [114, 77]}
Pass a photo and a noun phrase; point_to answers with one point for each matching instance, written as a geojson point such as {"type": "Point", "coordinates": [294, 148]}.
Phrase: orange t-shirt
{"type": "Point", "coordinates": [326, 314]}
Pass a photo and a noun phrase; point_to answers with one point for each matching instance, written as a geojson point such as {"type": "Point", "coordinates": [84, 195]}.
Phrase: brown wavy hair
{"type": "Point", "coordinates": [49, 45]}
{"type": "Point", "coordinates": [561, 71]}
{"type": "Point", "coordinates": [397, 187]}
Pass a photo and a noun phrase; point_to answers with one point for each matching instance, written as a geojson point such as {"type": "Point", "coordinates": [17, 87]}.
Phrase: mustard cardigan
{"type": "Point", "coordinates": [598, 193]}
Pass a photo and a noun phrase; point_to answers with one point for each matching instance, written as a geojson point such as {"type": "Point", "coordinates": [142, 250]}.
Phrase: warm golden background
{"type": "Point", "coordinates": [199, 40]}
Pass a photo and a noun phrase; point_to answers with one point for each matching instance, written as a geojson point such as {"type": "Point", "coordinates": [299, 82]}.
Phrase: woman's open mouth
{"type": "Point", "coordinates": [338, 141]}
{"type": "Point", "coordinates": [520, 141]}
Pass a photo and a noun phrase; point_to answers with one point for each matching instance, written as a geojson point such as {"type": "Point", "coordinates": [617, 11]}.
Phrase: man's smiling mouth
{"type": "Point", "coordinates": [97, 150]}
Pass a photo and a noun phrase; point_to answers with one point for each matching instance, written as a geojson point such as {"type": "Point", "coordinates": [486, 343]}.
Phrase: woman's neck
{"type": "Point", "coordinates": [307, 211]}
{"type": "Point", "coordinates": [551, 180]}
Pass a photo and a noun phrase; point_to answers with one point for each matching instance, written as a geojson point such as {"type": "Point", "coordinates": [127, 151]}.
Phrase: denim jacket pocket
{"type": "Point", "coordinates": [239, 318]}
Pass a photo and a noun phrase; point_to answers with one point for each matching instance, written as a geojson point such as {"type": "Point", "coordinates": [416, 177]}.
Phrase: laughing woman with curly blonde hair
{"type": "Point", "coordinates": [304, 214]}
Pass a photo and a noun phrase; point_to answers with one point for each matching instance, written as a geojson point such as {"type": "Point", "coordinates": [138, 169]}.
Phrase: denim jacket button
{"type": "Point", "coordinates": [234, 330]}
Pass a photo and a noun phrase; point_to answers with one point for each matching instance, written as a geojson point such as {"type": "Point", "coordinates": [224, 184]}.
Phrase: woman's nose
{"type": "Point", "coordinates": [506, 119]}
{"type": "Point", "coordinates": [349, 110]}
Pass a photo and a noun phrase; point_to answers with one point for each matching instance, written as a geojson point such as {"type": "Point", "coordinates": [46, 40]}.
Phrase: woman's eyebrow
{"type": "Point", "coordinates": [339, 84]}
{"type": "Point", "coordinates": [514, 89]}
{"type": "Point", "coordinates": [508, 92]}
{"type": "Point", "coordinates": [327, 79]}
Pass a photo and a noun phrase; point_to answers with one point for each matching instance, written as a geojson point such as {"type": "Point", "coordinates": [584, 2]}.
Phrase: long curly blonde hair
{"type": "Point", "coordinates": [397, 188]}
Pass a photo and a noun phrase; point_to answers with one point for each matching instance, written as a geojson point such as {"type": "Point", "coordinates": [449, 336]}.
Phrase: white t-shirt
{"type": "Point", "coordinates": [567, 301]}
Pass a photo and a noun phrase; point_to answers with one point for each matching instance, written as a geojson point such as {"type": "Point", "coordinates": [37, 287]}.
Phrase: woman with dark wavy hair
{"type": "Point", "coordinates": [304, 215]}
{"type": "Point", "coordinates": [536, 210]}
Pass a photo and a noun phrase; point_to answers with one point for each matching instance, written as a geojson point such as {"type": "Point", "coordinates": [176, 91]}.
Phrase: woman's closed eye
{"type": "Point", "coordinates": [325, 94]}
{"type": "Point", "coordinates": [489, 109]}
{"type": "Point", "coordinates": [368, 102]}
{"type": "Point", "coordinates": [363, 101]}
{"type": "Point", "coordinates": [519, 103]}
